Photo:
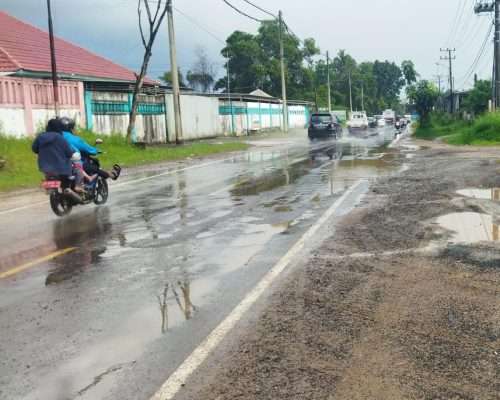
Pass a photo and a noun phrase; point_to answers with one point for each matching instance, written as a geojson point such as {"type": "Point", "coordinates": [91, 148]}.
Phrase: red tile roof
{"type": "Point", "coordinates": [23, 46]}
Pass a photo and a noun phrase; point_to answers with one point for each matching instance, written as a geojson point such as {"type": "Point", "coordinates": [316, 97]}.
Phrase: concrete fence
{"type": "Point", "coordinates": [27, 104]}
{"type": "Point", "coordinates": [240, 118]}
{"type": "Point", "coordinates": [108, 113]}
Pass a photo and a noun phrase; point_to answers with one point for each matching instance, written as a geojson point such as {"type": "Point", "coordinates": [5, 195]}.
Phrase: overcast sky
{"type": "Point", "coordinates": [368, 29]}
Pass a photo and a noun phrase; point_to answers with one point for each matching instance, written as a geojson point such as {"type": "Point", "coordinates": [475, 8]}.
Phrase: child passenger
{"type": "Point", "coordinates": [80, 175]}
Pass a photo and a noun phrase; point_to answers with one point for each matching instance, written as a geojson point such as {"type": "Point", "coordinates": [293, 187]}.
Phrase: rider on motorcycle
{"type": "Point", "coordinates": [54, 155]}
{"type": "Point", "coordinates": [81, 146]}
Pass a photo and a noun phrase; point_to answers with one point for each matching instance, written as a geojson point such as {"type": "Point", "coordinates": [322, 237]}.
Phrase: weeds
{"type": "Point", "coordinates": [483, 131]}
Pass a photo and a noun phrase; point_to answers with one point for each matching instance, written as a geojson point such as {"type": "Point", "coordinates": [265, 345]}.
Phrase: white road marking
{"type": "Point", "coordinates": [175, 382]}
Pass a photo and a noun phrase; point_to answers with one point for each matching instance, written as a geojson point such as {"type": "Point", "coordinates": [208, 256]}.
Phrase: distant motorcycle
{"type": "Point", "coordinates": [63, 200]}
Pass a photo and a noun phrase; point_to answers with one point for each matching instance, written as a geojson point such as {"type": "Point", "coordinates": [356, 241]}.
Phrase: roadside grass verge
{"type": "Point", "coordinates": [440, 125]}
{"type": "Point", "coordinates": [21, 171]}
{"type": "Point", "coordinates": [483, 131]}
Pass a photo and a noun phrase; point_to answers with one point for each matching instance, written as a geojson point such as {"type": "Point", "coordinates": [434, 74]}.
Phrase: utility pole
{"type": "Point", "coordinates": [175, 74]}
{"type": "Point", "coordinates": [229, 95]}
{"type": "Point", "coordinates": [328, 81]}
{"type": "Point", "coordinates": [493, 7]}
{"type": "Point", "coordinates": [497, 53]}
{"type": "Point", "coordinates": [350, 91]}
{"type": "Point", "coordinates": [362, 96]}
{"type": "Point", "coordinates": [55, 86]}
{"type": "Point", "coordinates": [438, 78]}
{"type": "Point", "coordinates": [450, 58]}
{"type": "Point", "coordinates": [283, 80]}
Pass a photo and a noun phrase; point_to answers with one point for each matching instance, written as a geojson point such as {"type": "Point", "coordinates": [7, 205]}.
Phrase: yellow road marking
{"type": "Point", "coordinates": [30, 264]}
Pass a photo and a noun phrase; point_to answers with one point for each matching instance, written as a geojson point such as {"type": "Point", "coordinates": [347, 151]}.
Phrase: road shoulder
{"type": "Point", "coordinates": [388, 307]}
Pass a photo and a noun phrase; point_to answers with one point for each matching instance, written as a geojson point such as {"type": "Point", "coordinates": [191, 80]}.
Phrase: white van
{"type": "Point", "coordinates": [358, 120]}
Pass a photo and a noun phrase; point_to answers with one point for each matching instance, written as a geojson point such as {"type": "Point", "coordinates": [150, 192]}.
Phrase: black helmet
{"type": "Point", "coordinates": [67, 123]}
{"type": "Point", "coordinates": [55, 125]}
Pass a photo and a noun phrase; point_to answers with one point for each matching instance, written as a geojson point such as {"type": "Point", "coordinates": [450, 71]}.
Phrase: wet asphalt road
{"type": "Point", "coordinates": [149, 275]}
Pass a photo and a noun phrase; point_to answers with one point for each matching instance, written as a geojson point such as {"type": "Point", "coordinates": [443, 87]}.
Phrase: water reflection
{"type": "Point", "coordinates": [183, 301]}
{"type": "Point", "coordinates": [89, 232]}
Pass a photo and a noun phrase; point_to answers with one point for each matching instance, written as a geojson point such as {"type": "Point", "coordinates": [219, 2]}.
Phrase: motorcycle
{"type": "Point", "coordinates": [63, 199]}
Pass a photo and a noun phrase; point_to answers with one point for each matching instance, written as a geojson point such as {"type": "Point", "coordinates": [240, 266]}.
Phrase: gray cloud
{"type": "Point", "coordinates": [367, 29]}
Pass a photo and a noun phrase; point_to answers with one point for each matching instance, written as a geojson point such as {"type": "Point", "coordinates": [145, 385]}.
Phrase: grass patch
{"type": "Point", "coordinates": [441, 125]}
{"type": "Point", "coordinates": [483, 131]}
{"type": "Point", "coordinates": [21, 171]}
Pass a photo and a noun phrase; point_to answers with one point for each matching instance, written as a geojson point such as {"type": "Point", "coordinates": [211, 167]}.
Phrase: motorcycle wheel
{"type": "Point", "coordinates": [101, 191]}
{"type": "Point", "coordinates": [59, 204]}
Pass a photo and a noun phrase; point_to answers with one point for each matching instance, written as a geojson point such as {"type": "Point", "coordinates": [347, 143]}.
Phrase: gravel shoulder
{"type": "Point", "coordinates": [389, 307]}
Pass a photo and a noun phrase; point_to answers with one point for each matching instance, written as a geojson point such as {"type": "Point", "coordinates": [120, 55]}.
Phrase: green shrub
{"type": "Point", "coordinates": [441, 124]}
{"type": "Point", "coordinates": [484, 131]}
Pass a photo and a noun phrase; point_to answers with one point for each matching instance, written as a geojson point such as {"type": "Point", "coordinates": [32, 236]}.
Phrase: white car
{"type": "Point", "coordinates": [381, 122]}
{"type": "Point", "coordinates": [358, 120]}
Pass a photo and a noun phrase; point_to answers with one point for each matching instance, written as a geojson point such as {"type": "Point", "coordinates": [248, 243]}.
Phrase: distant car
{"type": "Point", "coordinates": [358, 120]}
{"type": "Point", "coordinates": [389, 116]}
{"type": "Point", "coordinates": [372, 122]}
{"type": "Point", "coordinates": [324, 125]}
{"type": "Point", "coordinates": [380, 121]}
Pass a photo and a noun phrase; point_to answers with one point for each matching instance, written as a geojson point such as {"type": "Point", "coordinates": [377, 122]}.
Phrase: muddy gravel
{"type": "Point", "coordinates": [390, 307]}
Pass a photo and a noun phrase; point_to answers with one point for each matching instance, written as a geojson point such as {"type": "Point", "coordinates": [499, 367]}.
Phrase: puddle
{"type": "Point", "coordinates": [470, 227]}
{"type": "Point", "coordinates": [282, 209]}
{"type": "Point", "coordinates": [476, 193]}
{"type": "Point", "coordinates": [253, 186]}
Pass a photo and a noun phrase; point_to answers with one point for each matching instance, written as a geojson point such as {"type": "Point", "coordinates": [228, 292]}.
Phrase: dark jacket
{"type": "Point", "coordinates": [54, 153]}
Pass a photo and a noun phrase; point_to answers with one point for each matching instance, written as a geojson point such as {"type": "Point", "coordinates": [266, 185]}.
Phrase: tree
{"type": "Point", "coordinates": [167, 78]}
{"type": "Point", "coordinates": [409, 73]}
{"type": "Point", "coordinates": [310, 50]}
{"type": "Point", "coordinates": [201, 77]}
{"type": "Point", "coordinates": [423, 95]}
{"type": "Point", "coordinates": [243, 54]}
{"type": "Point", "coordinates": [154, 19]}
{"type": "Point", "coordinates": [476, 100]}
{"type": "Point", "coordinates": [389, 82]}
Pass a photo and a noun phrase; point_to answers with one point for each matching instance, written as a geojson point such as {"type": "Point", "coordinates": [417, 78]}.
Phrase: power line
{"type": "Point", "coordinates": [472, 35]}
{"type": "Point", "coordinates": [261, 9]}
{"type": "Point", "coordinates": [241, 12]}
{"type": "Point", "coordinates": [472, 68]}
{"type": "Point", "coordinates": [457, 20]}
{"type": "Point", "coordinates": [195, 22]}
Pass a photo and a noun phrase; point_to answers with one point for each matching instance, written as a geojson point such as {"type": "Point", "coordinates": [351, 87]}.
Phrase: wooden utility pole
{"type": "Point", "coordinates": [283, 79]}
{"type": "Point", "coordinates": [450, 58]}
{"type": "Point", "coordinates": [55, 85]}
{"type": "Point", "coordinates": [175, 74]}
{"type": "Point", "coordinates": [328, 81]}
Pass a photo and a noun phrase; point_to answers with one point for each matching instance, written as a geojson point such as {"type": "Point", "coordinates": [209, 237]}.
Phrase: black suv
{"type": "Point", "coordinates": [324, 125]}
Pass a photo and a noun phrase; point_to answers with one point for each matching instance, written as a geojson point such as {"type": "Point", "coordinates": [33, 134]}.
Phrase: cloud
{"type": "Point", "coordinates": [367, 29]}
